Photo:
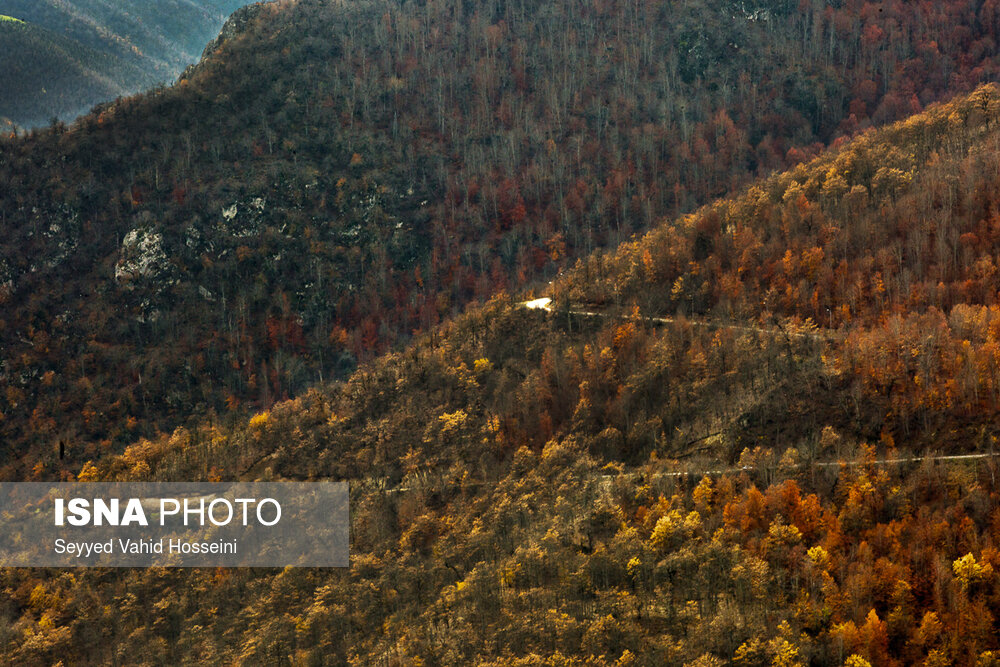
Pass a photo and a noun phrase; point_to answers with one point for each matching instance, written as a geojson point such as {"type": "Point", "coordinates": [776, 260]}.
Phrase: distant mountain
{"type": "Point", "coordinates": [63, 57]}
{"type": "Point", "coordinates": [49, 75]}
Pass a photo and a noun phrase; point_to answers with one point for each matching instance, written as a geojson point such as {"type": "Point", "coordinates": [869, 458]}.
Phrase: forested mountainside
{"type": "Point", "coordinates": [46, 73]}
{"type": "Point", "coordinates": [61, 58]}
{"type": "Point", "coordinates": [336, 176]}
{"type": "Point", "coordinates": [718, 447]}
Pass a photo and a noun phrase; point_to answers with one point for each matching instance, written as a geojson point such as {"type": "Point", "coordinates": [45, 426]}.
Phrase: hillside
{"type": "Point", "coordinates": [45, 72]}
{"type": "Point", "coordinates": [66, 57]}
{"type": "Point", "coordinates": [335, 177]}
{"type": "Point", "coordinates": [676, 465]}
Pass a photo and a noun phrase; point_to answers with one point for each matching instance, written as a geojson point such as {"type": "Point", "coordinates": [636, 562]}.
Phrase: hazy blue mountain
{"type": "Point", "coordinates": [61, 57]}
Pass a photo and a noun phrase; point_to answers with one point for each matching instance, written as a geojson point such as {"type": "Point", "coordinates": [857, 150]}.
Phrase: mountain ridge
{"type": "Point", "coordinates": [86, 52]}
{"type": "Point", "coordinates": [233, 239]}
{"type": "Point", "coordinates": [521, 464]}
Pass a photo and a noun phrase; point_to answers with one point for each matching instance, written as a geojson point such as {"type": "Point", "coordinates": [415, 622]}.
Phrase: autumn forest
{"type": "Point", "coordinates": [645, 333]}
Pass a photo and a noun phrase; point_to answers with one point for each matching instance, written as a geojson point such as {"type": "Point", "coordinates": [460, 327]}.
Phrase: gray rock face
{"type": "Point", "coordinates": [141, 258]}
{"type": "Point", "coordinates": [234, 25]}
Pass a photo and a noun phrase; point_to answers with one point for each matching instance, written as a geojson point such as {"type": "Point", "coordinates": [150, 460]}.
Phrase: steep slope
{"type": "Point", "coordinates": [72, 55]}
{"type": "Point", "coordinates": [337, 176]}
{"type": "Point", "coordinates": [520, 486]}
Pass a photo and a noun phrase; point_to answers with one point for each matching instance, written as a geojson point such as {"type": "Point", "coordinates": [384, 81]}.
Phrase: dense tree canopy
{"type": "Point", "coordinates": [719, 444]}
{"type": "Point", "coordinates": [336, 176]}
{"type": "Point", "coordinates": [648, 474]}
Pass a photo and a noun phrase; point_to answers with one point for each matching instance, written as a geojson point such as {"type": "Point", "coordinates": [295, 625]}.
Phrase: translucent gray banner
{"type": "Point", "coordinates": [189, 524]}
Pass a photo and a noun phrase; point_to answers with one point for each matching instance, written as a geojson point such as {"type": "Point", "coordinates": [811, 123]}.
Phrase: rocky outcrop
{"type": "Point", "coordinates": [233, 27]}
{"type": "Point", "coordinates": [141, 257]}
